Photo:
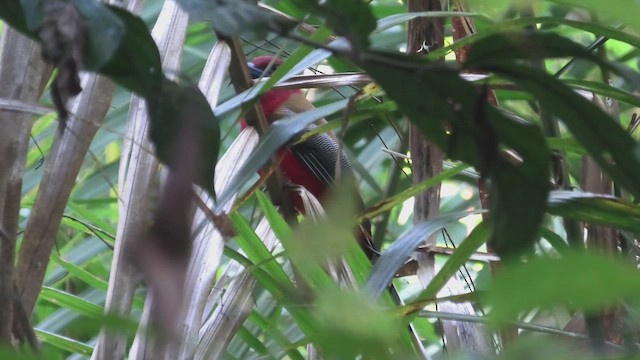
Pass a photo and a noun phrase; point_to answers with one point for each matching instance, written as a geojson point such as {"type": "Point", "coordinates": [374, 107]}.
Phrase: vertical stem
{"type": "Point", "coordinates": [22, 76]}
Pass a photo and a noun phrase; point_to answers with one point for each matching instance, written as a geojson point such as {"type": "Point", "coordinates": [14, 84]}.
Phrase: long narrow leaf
{"type": "Point", "coordinates": [392, 259]}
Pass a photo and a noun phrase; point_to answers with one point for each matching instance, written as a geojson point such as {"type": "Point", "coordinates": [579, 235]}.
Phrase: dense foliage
{"type": "Point", "coordinates": [557, 153]}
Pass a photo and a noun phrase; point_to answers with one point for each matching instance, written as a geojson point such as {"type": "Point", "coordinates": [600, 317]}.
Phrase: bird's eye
{"type": "Point", "coordinates": [255, 71]}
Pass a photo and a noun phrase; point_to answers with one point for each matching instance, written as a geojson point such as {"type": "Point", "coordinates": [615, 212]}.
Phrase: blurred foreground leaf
{"type": "Point", "coordinates": [579, 281]}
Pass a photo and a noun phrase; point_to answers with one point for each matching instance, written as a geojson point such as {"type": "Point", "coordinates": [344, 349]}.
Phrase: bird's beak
{"type": "Point", "coordinates": [254, 71]}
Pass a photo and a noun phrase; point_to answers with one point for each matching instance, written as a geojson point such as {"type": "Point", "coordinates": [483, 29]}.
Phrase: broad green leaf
{"type": "Point", "coordinates": [105, 31]}
{"type": "Point", "coordinates": [329, 239]}
{"type": "Point", "coordinates": [454, 115]}
{"type": "Point", "coordinates": [579, 281]}
{"type": "Point", "coordinates": [514, 226]}
{"type": "Point", "coordinates": [521, 23]}
{"type": "Point", "coordinates": [171, 110]}
{"type": "Point", "coordinates": [506, 47]}
{"type": "Point", "coordinates": [235, 17]}
{"type": "Point", "coordinates": [624, 11]}
{"type": "Point", "coordinates": [566, 143]}
{"type": "Point", "coordinates": [12, 13]}
{"type": "Point", "coordinates": [597, 209]}
{"type": "Point", "coordinates": [614, 150]}
{"type": "Point", "coordinates": [34, 12]}
{"type": "Point", "coordinates": [351, 19]}
{"type": "Point", "coordinates": [351, 323]}
{"type": "Point", "coordinates": [136, 63]}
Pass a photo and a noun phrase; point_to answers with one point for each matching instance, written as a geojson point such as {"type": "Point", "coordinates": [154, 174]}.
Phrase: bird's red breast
{"type": "Point", "coordinates": [293, 170]}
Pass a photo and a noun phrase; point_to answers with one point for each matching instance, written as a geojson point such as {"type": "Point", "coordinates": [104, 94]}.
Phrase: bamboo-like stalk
{"type": "Point", "coordinates": [234, 307]}
{"type": "Point", "coordinates": [207, 252]}
{"type": "Point", "coordinates": [138, 169]}
{"type": "Point", "coordinates": [61, 169]}
{"type": "Point", "coordinates": [22, 77]}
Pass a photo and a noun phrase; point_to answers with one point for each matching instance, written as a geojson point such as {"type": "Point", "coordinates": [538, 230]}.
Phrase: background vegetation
{"type": "Point", "coordinates": [532, 235]}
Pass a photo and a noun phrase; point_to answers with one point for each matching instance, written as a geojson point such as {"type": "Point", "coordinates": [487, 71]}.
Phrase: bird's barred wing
{"type": "Point", "coordinates": [319, 154]}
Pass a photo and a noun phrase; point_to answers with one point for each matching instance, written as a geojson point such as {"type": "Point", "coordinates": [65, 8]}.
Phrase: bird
{"type": "Point", "coordinates": [312, 162]}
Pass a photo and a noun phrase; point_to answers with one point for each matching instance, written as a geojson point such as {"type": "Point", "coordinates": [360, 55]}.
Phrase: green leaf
{"type": "Point", "coordinates": [34, 12]}
{"type": "Point", "coordinates": [521, 23]}
{"type": "Point", "coordinates": [604, 90]}
{"type": "Point", "coordinates": [72, 302]}
{"type": "Point", "coordinates": [352, 19]}
{"type": "Point", "coordinates": [251, 244]}
{"type": "Point", "coordinates": [386, 267]}
{"type": "Point", "coordinates": [351, 324]}
{"type": "Point", "coordinates": [170, 110]}
{"type": "Point", "coordinates": [513, 184]}
{"type": "Point", "coordinates": [596, 209]}
{"type": "Point", "coordinates": [506, 47]}
{"type": "Point", "coordinates": [253, 342]}
{"type": "Point", "coordinates": [64, 343]}
{"type": "Point", "coordinates": [454, 115]}
{"type": "Point", "coordinates": [614, 150]}
{"type": "Point", "coordinates": [625, 11]}
{"type": "Point", "coordinates": [81, 273]}
{"type": "Point", "coordinates": [12, 14]}
{"type": "Point", "coordinates": [136, 63]}
{"type": "Point", "coordinates": [235, 17]}
{"type": "Point", "coordinates": [277, 222]}
{"type": "Point", "coordinates": [10, 353]}
{"type": "Point", "coordinates": [397, 19]}
{"type": "Point", "coordinates": [105, 31]}
{"type": "Point", "coordinates": [555, 240]}
{"type": "Point", "coordinates": [578, 281]}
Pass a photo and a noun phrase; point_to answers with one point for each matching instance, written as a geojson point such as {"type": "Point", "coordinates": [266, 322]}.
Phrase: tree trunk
{"type": "Point", "coordinates": [425, 35]}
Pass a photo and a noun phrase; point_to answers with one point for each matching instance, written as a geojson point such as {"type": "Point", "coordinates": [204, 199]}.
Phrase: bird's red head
{"type": "Point", "coordinates": [271, 101]}
{"type": "Point", "coordinates": [261, 62]}
{"type": "Point", "coordinates": [264, 65]}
